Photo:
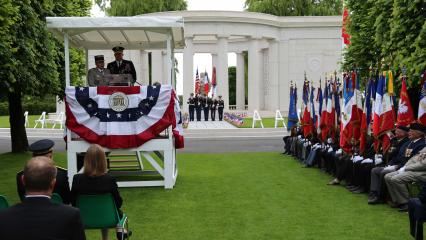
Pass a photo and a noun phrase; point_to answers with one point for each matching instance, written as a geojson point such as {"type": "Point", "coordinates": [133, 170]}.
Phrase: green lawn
{"type": "Point", "coordinates": [4, 122]}
{"type": "Point", "coordinates": [244, 196]}
{"type": "Point", "coordinates": [267, 123]}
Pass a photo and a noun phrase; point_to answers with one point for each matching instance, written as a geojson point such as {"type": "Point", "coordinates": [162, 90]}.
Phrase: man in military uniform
{"type": "Point", "coordinates": [198, 102]}
{"type": "Point", "coordinates": [121, 66]}
{"type": "Point", "coordinates": [413, 171]}
{"type": "Point", "coordinates": [45, 148]}
{"type": "Point", "coordinates": [213, 109]}
{"type": "Point", "coordinates": [191, 105]}
{"type": "Point", "coordinates": [206, 107]}
{"type": "Point", "coordinates": [397, 157]}
{"type": "Point", "coordinates": [95, 76]}
{"type": "Point", "coordinates": [221, 105]}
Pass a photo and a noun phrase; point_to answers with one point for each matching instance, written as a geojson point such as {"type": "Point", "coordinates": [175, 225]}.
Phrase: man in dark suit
{"type": "Point", "coordinates": [44, 147]}
{"type": "Point", "coordinates": [121, 66]}
{"type": "Point", "coordinates": [37, 217]}
{"type": "Point", "coordinates": [417, 213]}
{"type": "Point", "coordinates": [220, 106]}
{"type": "Point", "coordinates": [191, 105]}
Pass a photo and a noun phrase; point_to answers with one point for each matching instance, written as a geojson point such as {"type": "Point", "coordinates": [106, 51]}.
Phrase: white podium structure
{"type": "Point", "coordinates": [133, 33]}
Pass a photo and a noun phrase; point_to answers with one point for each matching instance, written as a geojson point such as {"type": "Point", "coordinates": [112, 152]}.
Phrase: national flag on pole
{"type": "Point", "coordinates": [320, 101]}
{"type": "Point", "coordinates": [306, 111]}
{"type": "Point", "coordinates": [197, 83]}
{"type": "Point", "coordinates": [422, 106]}
{"type": "Point", "coordinates": [346, 130]}
{"type": "Point", "coordinates": [405, 111]}
{"type": "Point", "coordinates": [123, 117]}
{"type": "Point", "coordinates": [206, 83]}
{"type": "Point", "coordinates": [214, 83]}
{"type": "Point", "coordinates": [366, 116]}
{"type": "Point", "coordinates": [323, 119]}
{"type": "Point", "coordinates": [313, 115]}
{"type": "Point", "coordinates": [292, 111]}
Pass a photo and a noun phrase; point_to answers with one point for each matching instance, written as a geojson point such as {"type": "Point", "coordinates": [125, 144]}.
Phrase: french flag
{"type": "Point", "coordinates": [323, 119]}
{"type": "Point", "coordinates": [422, 106]}
{"type": "Point", "coordinates": [306, 117]}
{"type": "Point", "coordinates": [346, 128]}
{"type": "Point", "coordinates": [383, 115]}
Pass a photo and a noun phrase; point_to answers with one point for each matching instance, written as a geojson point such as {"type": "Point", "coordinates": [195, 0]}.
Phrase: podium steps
{"type": "Point", "coordinates": [125, 164]}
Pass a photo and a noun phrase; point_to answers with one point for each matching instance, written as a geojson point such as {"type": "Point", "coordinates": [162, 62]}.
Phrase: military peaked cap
{"type": "Point", "coordinates": [118, 49]}
{"type": "Point", "coordinates": [41, 147]}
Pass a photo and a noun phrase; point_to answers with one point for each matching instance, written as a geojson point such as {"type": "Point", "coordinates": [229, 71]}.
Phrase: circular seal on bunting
{"type": "Point", "coordinates": [118, 101]}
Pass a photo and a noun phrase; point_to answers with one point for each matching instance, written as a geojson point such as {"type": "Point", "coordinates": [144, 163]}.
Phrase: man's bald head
{"type": "Point", "coordinates": [39, 174]}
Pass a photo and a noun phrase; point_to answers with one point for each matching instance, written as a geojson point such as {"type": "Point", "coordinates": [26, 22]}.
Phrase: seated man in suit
{"type": "Point", "coordinates": [44, 147]}
{"type": "Point", "coordinates": [413, 171]}
{"type": "Point", "coordinates": [37, 217]}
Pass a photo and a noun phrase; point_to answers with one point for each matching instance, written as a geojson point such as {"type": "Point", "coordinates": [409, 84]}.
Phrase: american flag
{"type": "Point", "coordinates": [197, 82]}
{"type": "Point", "coordinates": [123, 117]}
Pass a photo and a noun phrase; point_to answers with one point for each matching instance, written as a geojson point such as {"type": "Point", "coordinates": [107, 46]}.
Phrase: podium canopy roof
{"type": "Point", "coordinates": [139, 32]}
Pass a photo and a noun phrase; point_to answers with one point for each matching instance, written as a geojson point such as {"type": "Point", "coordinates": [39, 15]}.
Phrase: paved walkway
{"type": "Point", "coordinates": [210, 125]}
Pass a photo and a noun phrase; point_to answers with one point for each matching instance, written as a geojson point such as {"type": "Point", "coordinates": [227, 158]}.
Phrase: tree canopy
{"type": "Point", "coordinates": [387, 35]}
{"type": "Point", "coordinates": [296, 7]}
{"type": "Point", "coordinates": [137, 7]}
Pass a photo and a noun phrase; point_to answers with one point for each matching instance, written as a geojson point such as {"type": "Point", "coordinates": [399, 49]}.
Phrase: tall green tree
{"type": "Point", "coordinates": [232, 82]}
{"type": "Point", "coordinates": [361, 52]}
{"type": "Point", "coordinates": [296, 7]}
{"type": "Point", "coordinates": [32, 58]}
{"type": "Point", "coordinates": [138, 7]}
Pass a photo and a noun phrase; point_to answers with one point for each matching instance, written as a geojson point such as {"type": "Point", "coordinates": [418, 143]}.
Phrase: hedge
{"type": "Point", "coordinates": [33, 106]}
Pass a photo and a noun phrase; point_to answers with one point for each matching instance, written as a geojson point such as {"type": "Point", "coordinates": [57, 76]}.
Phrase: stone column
{"type": "Point", "coordinates": [165, 67]}
{"type": "Point", "coordinates": [284, 81]}
{"type": "Point", "coordinates": [222, 69]}
{"type": "Point", "coordinates": [144, 78]}
{"type": "Point", "coordinates": [240, 86]}
{"type": "Point", "coordinates": [188, 74]}
{"type": "Point", "coordinates": [272, 101]}
{"type": "Point", "coordinates": [157, 66]}
{"type": "Point", "coordinates": [254, 58]}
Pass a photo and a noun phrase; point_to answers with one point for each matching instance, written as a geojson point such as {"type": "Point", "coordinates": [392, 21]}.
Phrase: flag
{"type": "Point", "coordinates": [320, 101]}
{"type": "Point", "coordinates": [306, 111]}
{"type": "Point", "coordinates": [292, 111]}
{"type": "Point", "coordinates": [346, 130]}
{"type": "Point", "coordinates": [345, 35]}
{"type": "Point", "coordinates": [405, 111]}
{"type": "Point", "coordinates": [214, 83]}
{"type": "Point", "coordinates": [206, 83]}
{"type": "Point", "coordinates": [197, 82]}
{"type": "Point", "coordinates": [123, 117]}
{"type": "Point", "coordinates": [366, 116]}
{"type": "Point", "coordinates": [312, 105]}
{"type": "Point", "coordinates": [422, 106]}
{"type": "Point", "coordinates": [383, 115]}
{"type": "Point", "coordinates": [323, 119]}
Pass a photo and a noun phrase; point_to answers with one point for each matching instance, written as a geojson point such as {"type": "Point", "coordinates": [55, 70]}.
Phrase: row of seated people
{"type": "Point", "coordinates": [386, 176]}
{"type": "Point", "coordinates": [36, 184]}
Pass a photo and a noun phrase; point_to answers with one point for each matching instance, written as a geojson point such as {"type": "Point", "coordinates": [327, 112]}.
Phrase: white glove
{"type": "Point", "coordinates": [367, 160]}
{"type": "Point", "coordinates": [330, 149]}
{"type": "Point", "coordinates": [299, 137]}
{"type": "Point", "coordinates": [339, 151]}
{"type": "Point", "coordinates": [401, 170]}
{"type": "Point", "coordinates": [389, 168]}
{"type": "Point", "coordinates": [378, 161]}
{"type": "Point", "coordinates": [358, 158]}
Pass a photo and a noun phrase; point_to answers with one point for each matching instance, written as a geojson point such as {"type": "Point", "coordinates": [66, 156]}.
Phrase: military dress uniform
{"type": "Point", "coordinates": [206, 108]}
{"type": "Point", "coordinates": [213, 109]}
{"type": "Point", "coordinates": [191, 106]}
{"type": "Point", "coordinates": [221, 105]}
{"type": "Point", "coordinates": [198, 102]}
{"type": "Point", "coordinates": [95, 77]}
{"type": "Point", "coordinates": [123, 66]}
{"type": "Point", "coordinates": [43, 148]}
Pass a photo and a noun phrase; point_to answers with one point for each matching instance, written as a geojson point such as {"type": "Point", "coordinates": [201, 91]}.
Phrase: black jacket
{"type": "Point", "coordinates": [83, 184]}
{"type": "Point", "coordinates": [407, 150]}
{"type": "Point", "coordinates": [62, 186]}
{"type": "Point", "coordinates": [126, 67]}
{"type": "Point", "coordinates": [37, 218]}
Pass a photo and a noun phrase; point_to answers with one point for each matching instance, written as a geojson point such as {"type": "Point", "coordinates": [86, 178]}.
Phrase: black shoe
{"type": "Point", "coordinates": [374, 200]}
{"type": "Point", "coordinates": [123, 235]}
{"type": "Point", "coordinates": [358, 190]}
{"type": "Point", "coordinates": [353, 188]}
{"type": "Point", "coordinates": [349, 186]}
{"type": "Point", "coordinates": [403, 208]}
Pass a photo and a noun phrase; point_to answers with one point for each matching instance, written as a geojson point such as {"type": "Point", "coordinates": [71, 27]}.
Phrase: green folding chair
{"type": "Point", "coordinates": [3, 202]}
{"type": "Point", "coordinates": [56, 198]}
{"type": "Point", "coordinates": [99, 212]}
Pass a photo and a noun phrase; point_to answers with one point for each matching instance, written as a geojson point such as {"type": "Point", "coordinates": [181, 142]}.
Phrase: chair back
{"type": "Point", "coordinates": [3, 202]}
{"type": "Point", "coordinates": [97, 211]}
{"type": "Point", "coordinates": [56, 198]}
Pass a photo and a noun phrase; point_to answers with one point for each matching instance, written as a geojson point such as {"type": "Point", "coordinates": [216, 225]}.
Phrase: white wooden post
{"type": "Point", "coordinates": [279, 117]}
{"type": "Point", "coordinates": [26, 124]}
{"type": "Point", "coordinates": [256, 117]}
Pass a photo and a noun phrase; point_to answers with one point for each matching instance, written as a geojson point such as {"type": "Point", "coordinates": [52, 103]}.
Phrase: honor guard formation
{"type": "Point", "coordinates": [204, 103]}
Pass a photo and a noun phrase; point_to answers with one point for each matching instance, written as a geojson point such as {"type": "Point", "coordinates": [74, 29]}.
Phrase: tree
{"type": "Point", "coordinates": [296, 7]}
{"type": "Point", "coordinates": [232, 81]}
{"type": "Point", "coordinates": [32, 59]}
{"type": "Point", "coordinates": [137, 7]}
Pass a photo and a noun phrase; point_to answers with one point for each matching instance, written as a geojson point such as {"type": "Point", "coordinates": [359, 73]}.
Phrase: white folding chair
{"type": "Point", "coordinates": [41, 120]}
{"type": "Point", "coordinates": [256, 118]}
{"type": "Point", "coordinates": [59, 120]}
{"type": "Point", "coordinates": [26, 124]}
{"type": "Point", "coordinates": [279, 118]}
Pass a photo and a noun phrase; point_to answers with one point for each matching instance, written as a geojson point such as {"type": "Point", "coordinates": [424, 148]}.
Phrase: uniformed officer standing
{"type": "Point", "coordinates": [45, 148]}
{"type": "Point", "coordinates": [221, 105]}
{"type": "Point", "coordinates": [95, 76]}
{"type": "Point", "coordinates": [121, 66]}
{"type": "Point", "coordinates": [198, 101]}
{"type": "Point", "coordinates": [191, 105]}
{"type": "Point", "coordinates": [213, 107]}
{"type": "Point", "coordinates": [206, 107]}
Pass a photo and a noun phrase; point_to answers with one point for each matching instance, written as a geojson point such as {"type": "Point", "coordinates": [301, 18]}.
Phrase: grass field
{"type": "Point", "coordinates": [243, 196]}
{"type": "Point", "coordinates": [4, 122]}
